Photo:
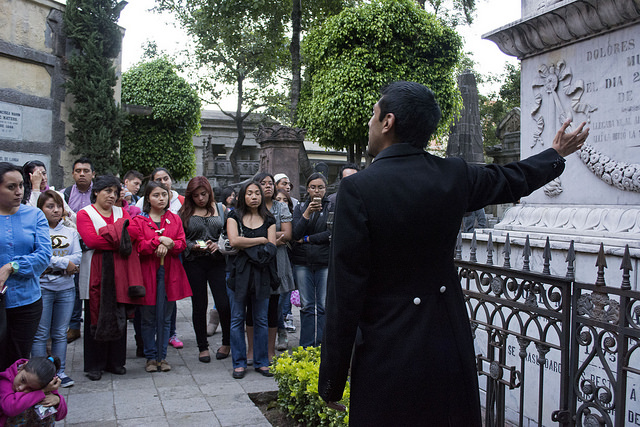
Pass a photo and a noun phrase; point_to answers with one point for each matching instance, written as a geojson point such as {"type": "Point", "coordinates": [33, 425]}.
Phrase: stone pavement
{"type": "Point", "coordinates": [191, 394]}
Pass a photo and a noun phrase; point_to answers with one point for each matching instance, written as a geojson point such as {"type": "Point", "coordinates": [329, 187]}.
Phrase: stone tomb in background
{"type": "Point", "coordinates": [580, 60]}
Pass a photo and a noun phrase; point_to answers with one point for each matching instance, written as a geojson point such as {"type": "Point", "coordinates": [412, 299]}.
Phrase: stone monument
{"type": "Point", "coordinates": [465, 139]}
{"type": "Point", "coordinates": [279, 148]}
{"type": "Point", "coordinates": [580, 60]}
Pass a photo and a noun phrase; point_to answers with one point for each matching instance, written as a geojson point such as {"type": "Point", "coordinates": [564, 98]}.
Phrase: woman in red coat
{"type": "Point", "coordinates": [104, 229]}
{"type": "Point", "coordinates": [160, 240]}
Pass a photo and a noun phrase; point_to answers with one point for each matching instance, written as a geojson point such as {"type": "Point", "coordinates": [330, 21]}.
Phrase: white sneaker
{"type": "Point", "coordinates": [214, 321]}
{"type": "Point", "coordinates": [283, 342]}
{"type": "Point", "coordinates": [288, 323]}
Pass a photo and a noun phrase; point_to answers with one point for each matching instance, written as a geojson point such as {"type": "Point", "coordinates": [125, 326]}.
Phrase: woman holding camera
{"type": "Point", "coordinates": [311, 258]}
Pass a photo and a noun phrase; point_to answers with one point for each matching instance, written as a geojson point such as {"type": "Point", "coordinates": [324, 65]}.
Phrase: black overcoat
{"type": "Point", "coordinates": [392, 275]}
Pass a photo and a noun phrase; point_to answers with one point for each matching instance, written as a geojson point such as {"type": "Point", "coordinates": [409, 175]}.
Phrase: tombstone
{"type": "Point", "coordinates": [465, 139]}
{"type": "Point", "coordinates": [580, 60]}
{"type": "Point", "coordinates": [279, 147]}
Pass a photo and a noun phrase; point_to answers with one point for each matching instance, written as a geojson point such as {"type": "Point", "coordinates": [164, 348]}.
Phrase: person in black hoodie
{"type": "Point", "coordinates": [311, 258]}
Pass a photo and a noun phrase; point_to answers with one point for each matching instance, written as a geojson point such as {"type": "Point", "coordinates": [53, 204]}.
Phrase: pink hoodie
{"type": "Point", "coordinates": [14, 403]}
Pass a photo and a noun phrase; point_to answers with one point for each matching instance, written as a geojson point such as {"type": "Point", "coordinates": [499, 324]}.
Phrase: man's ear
{"type": "Point", "coordinates": [388, 122]}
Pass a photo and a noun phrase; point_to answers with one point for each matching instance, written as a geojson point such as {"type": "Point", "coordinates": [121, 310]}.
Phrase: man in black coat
{"type": "Point", "coordinates": [392, 274]}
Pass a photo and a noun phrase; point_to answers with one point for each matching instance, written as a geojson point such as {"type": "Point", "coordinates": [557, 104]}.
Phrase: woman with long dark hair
{"type": "Point", "coordinates": [311, 258]}
{"type": "Point", "coordinates": [36, 181]}
{"type": "Point", "coordinates": [251, 229]}
{"type": "Point", "coordinates": [25, 251]}
{"type": "Point", "coordinates": [160, 242]}
{"type": "Point", "coordinates": [203, 220]}
{"type": "Point", "coordinates": [283, 218]}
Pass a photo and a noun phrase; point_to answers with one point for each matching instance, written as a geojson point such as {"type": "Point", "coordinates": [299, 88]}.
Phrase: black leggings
{"type": "Point", "coordinates": [200, 271]}
{"type": "Point", "coordinates": [22, 325]}
{"type": "Point", "coordinates": [272, 315]}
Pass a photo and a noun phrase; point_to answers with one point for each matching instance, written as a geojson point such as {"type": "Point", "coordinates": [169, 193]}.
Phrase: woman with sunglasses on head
{"type": "Point", "coordinates": [251, 229]}
{"type": "Point", "coordinates": [203, 220]}
{"type": "Point", "coordinates": [37, 181]}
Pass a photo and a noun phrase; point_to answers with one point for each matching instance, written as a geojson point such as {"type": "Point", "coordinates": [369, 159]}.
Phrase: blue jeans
{"type": "Point", "coordinates": [57, 307]}
{"type": "Point", "coordinates": [156, 322]}
{"type": "Point", "coordinates": [312, 285]}
{"type": "Point", "coordinates": [260, 331]}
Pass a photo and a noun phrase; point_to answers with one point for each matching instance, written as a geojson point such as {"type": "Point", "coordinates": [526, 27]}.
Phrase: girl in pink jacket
{"type": "Point", "coordinates": [28, 393]}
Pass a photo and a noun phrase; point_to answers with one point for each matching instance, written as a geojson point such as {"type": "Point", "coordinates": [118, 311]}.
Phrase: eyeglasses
{"type": "Point", "coordinates": [318, 188]}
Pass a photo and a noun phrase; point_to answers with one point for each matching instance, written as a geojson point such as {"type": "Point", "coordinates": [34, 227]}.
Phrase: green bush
{"type": "Point", "coordinates": [297, 378]}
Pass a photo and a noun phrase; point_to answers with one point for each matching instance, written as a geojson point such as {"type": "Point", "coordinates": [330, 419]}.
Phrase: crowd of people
{"type": "Point", "coordinates": [101, 251]}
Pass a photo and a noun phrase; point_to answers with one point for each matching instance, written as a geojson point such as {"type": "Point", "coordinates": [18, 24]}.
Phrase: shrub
{"type": "Point", "coordinates": [297, 378]}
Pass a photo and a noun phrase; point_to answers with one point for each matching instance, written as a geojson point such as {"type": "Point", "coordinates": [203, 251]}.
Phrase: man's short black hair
{"type": "Point", "coordinates": [415, 109]}
{"type": "Point", "coordinates": [83, 160]}
{"type": "Point", "coordinates": [348, 166]}
{"type": "Point", "coordinates": [133, 174]}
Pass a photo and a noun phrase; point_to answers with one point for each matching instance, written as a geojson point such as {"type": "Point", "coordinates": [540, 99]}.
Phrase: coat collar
{"type": "Point", "coordinates": [399, 150]}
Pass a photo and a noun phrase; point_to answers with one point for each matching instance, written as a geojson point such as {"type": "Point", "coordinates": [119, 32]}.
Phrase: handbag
{"type": "Point", "coordinates": [224, 246]}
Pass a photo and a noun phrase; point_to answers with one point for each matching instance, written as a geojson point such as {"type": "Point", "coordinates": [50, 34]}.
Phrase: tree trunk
{"type": "Point", "coordinates": [239, 121]}
{"type": "Point", "coordinates": [350, 154]}
{"type": "Point", "coordinates": [296, 17]}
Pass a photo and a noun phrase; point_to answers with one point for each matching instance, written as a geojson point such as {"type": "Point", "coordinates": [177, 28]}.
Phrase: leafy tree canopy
{"type": "Point", "coordinates": [164, 138]}
{"type": "Point", "coordinates": [356, 53]}
{"type": "Point", "coordinates": [495, 106]}
{"type": "Point", "coordinates": [453, 12]}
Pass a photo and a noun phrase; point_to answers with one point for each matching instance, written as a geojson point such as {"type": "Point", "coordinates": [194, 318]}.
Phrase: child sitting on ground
{"type": "Point", "coordinates": [28, 383]}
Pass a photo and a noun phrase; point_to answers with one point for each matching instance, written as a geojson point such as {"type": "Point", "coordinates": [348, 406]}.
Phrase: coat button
{"type": "Point", "coordinates": [442, 289]}
{"type": "Point", "coordinates": [417, 301]}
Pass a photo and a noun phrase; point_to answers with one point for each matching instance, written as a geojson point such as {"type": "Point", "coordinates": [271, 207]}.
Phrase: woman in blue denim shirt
{"type": "Point", "coordinates": [25, 251]}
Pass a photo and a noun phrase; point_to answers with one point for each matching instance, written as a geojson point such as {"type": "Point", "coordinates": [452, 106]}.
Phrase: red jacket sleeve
{"type": "Point", "coordinates": [146, 243]}
{"type": "Point", "coordinates": [88, 232]}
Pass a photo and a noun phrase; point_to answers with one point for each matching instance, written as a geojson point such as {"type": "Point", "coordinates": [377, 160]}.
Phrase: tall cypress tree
{"type": "Point", "coordinates": [97, 121]}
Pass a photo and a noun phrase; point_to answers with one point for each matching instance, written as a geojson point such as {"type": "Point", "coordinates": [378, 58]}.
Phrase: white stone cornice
{"type": "Point", "coordinates": [564, 23]}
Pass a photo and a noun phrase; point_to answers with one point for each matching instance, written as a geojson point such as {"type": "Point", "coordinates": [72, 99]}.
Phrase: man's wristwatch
{"type": "Point", "coordinates": [14, 266]}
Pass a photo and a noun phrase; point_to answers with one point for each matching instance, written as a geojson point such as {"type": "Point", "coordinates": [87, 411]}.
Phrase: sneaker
{"type": "Point", "coordinates": [214, 321]}
{"type": "Point", "coordinates": [288, 323]}
{"type": "Point", "coordinates": [175, 342]}
{"type": "Point", "coordinates": [151, 366]}
{"type": "Point", "coordinates": [65, 381]}
{"type": "Point", "coordinates": [72, 335]}
{"type": "Point", "coordinates": [164, 366]}
{"type": "Point", "coordinates": [283, 341]}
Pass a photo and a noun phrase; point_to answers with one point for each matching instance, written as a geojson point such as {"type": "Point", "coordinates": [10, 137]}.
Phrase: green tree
{"type": "Point", "coordinates": [453, 12]}
{"type": "Point", "coordinates": [97, 121]}
{"type": "Point", "coordinates": [364, 48]}
{"type": "Point", "coordinates": [495, 106]}
{"type": "Point", "coordinates": [163, 138]}
{"type": "Point", "coordinates": [240, 46]}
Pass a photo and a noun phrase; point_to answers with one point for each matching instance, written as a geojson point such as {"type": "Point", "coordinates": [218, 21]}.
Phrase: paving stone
{"type": "Point", "coordinates": [170, 379]}
{"type": "Point", "coordinates": [198, 419]}
{"type": "Point", "coordinates": [144, 422]}
{"type": "Point", "coordinates": [194, 404]}
{"type": "Point", "coordinates": [229, 401]}
{"type": "Point", "coordinates": [136, 408]}
{"type": "Point", "coordinates": [230, 386]}
{"type": "Point", "coordinates": [240, 416]}
{"type": "Point", "coordinates": [179, 392]}
{"type": "Point", "coordinates": [90, 407]}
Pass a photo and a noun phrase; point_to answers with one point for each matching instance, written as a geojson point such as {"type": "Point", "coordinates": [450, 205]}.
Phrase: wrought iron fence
{"type": "Point", "coordinates": [551, 350]}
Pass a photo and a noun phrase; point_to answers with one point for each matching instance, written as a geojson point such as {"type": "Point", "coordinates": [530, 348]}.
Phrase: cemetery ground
{"type": "Point", "coordinates": [191, 394]}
